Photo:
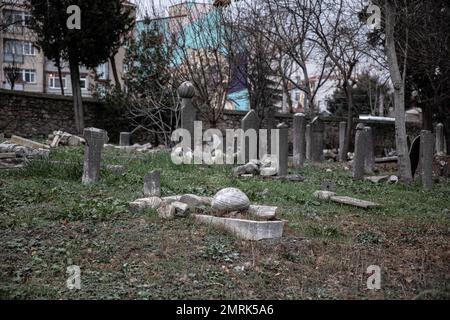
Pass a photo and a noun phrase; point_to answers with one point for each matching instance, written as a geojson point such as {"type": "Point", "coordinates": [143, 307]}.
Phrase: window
{"type": "Point", "coordinates": [54, 83]}
{"type": "Point", "coordinates": [83, 83]}
{"type": "Point", "coordinates": [297, 96]}
{"type": "Point", "coordinates": [29, 76]}
{"type": "Point", "coordinates": [102, 71]}
{"type": "Point", "coordinates": [13, 47]}
{"type": "Point", "coordinates": [28, 48]}
{"type": "Point", "coordinates": [15, 20]}
{"type": "Point", "coordinates": [16, 47]}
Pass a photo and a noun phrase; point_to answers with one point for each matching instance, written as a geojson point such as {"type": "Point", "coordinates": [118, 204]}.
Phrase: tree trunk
{"type": "Point", "coordinates": [348, 130]}
{"type": "Point", "coordinates": [404, 163]}
{"type": "Point", "coordinates": [76, 93]}
{"type": "Point", "coordinates": [58, 65]}
{"type": "Point", "coordinates": [427, 118]}
{"type": "Point", "coordinates": [115, 74]}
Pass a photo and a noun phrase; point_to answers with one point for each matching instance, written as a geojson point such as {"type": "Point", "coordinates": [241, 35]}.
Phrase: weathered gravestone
{"type": "Point", "coordinates": [308, 142]}
{"type": "Point", "coordinates": [125, 138]}
{"type": "Point", "coordinates": [414, 156]}
{"type": "Point", "coordinates": [360, 150]}
{"type": "Point", "coordinates": [299, 124]}
{"type": "Point", "coordinates": [250, 126]}
{"type": "Point", "coordinates": [283, 149]}
{"type": "Point", "coordinates": [95, 139]}
{"type": "Point", "coordinates": [440, 139]}
{"type": "Point", "coordinates": [186, 92]}
{"type": "Point", "coordinates": [427, 145]}
{"type": "Point", "coordinates": [152, 184]}
{"type": "Point", "coordinates": [369, 162]}
{"type": "Point", "coordinates": [342, 133]}
{"type": "Point", "coordinates": [317, 137]}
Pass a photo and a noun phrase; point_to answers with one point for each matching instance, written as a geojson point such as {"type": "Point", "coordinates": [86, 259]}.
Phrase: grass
{"type": "Point", "coordinates": [50, 221]}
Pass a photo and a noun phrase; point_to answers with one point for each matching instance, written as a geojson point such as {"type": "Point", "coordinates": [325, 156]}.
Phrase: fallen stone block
{"type": "Point", "coordinates": [166, 211]}
{"type": "Point", "coordinates": [7, 155]}
{"type": "Point", "coordinates": [393, 179]}
{"type": "Point", "coordinates": [27, 143]}
{"type": "Point", "coordinates": [324, 195]}
{"type": "Point", "coordinates": [194, 201]}
{"type": "Point", "coordinates": [265, 212]}
{"type": "Point", "coordinates": [246, 229]}
{"type": "Point", "coordinates": [268, 172]}
{"type": "Point", "coordinates": [116, 168]}
{"type": "Point", "coordinates": [143, 204]}
{"type": "Point", "coordinates": [181, 209]}
{"type": "Point", "coordinates": [171, 199]}
{"type": "Point", "coordinates": [377, 179]}
{"type": "Point", "coordinates": [386, 159]}
{"type": "Point", "coordinates": [354, 202]}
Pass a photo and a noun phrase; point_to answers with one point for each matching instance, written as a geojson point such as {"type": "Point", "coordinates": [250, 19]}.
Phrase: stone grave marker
{"type": "Point", "coordinates": [250, 122]}
{"type": "Point", "coordinates": [317, 137]}
{"type": "Point", "coordinates": [125, 138]}
{"type": "Point", "coordinates": [308, 142]}
{"type": "Point", "coordinates": [342, 133]}
{"type": "Point", "coordinates": [414, 155]}
{"type": "Point", "coordinates": [95, 139]}
{"type": "Point", "coordinates": [186, 92]}
{"type": "Point", "coordinates": [152, 184]}
{"type": "Point", "coordinates": [440, 139]}
{"type": "Point", "coordinates": [283, 149]}
{"type": "Point", "coordinates": [360, 152]}
{"type": "Point", "coordinates": [299, 124]}
{"type": "Point", "coordinates": [427, 145]}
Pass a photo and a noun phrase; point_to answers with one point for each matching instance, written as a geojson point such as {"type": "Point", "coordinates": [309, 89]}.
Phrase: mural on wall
{"type": "Point", "coordinates": [198, 27]}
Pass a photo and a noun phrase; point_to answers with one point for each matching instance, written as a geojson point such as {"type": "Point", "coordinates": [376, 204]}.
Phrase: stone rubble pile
{"type": "Point", "coordinates": [228, 200]}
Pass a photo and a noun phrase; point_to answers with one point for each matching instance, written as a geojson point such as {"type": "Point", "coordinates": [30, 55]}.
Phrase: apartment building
{"type": "Point", "coordinates": [25, 68]}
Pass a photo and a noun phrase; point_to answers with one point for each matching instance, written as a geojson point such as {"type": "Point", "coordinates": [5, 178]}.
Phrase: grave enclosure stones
{"type": "Point", "coordinates": [95, 139]}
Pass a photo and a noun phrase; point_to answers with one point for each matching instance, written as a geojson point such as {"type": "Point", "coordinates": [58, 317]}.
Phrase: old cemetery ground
{"type": "Point", "coordinates": [49, 221]}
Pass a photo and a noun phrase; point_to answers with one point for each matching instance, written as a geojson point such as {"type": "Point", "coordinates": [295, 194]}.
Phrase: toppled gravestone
{"type": "Point", "coordinates": [27, 143]}
{"type": "Point", "coordinates": [65, 139]}
{"type": "Point", "coordinates": [22, 151]}
{"type": "Point", "coordinates": [331, 196]}
{"type": "Point", "coordinates": [246, 229]}
{"type": "Point", "coordinates": [183, 205]}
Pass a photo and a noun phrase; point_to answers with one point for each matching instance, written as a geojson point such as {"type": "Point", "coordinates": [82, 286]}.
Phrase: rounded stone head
{"type": "Point", "coordinates": [186, 90]}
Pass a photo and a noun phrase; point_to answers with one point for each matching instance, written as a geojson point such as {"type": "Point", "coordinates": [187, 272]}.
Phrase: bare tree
{"type": "Point", "coordinates": [341, 35]}
{"type": "Point", "coordinates": [13, 74]}
{"type": "Point", "coordinates": [291, 29]}
{"type": "Point", "coordinates": [256, 61]}
{"type": "Point", "coordinates": [398, 79]}
{"type": "Point", "coordinates": [196, 34]}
